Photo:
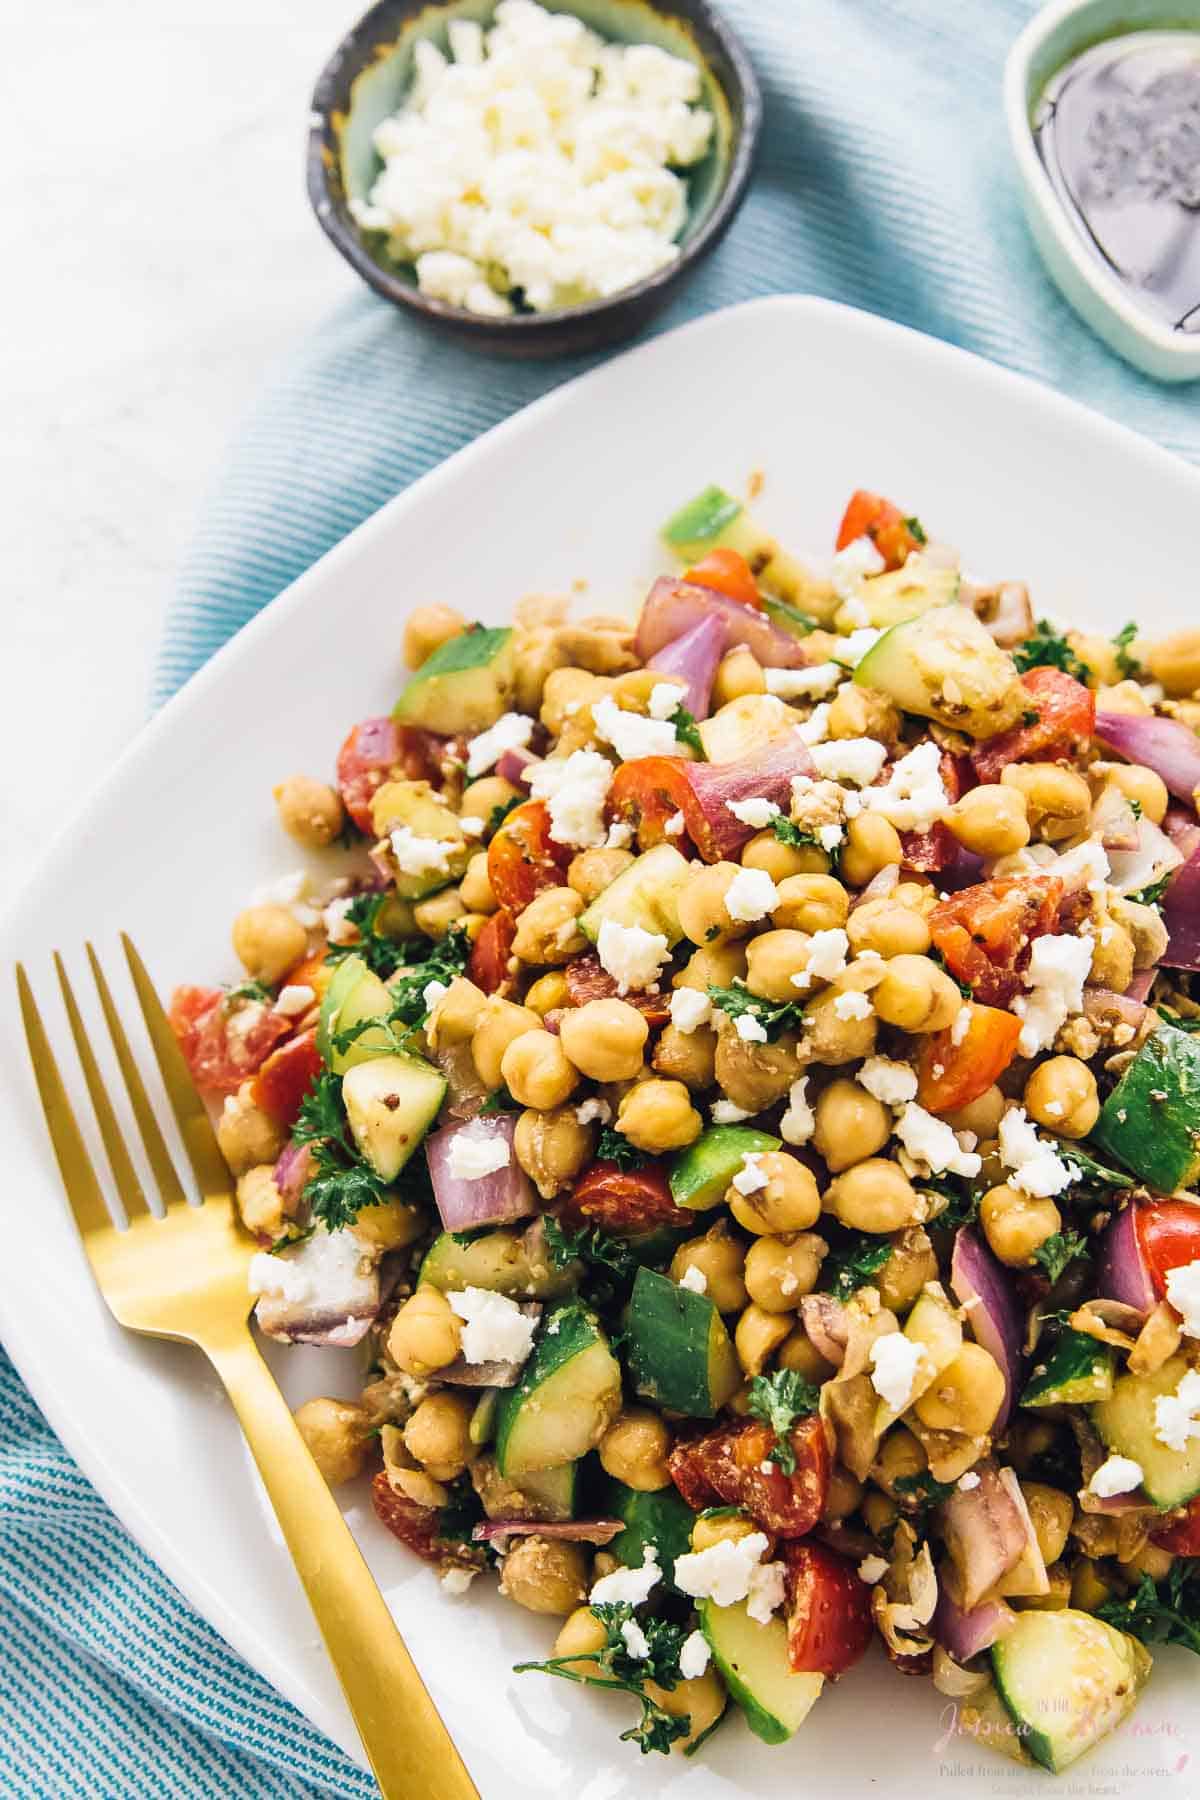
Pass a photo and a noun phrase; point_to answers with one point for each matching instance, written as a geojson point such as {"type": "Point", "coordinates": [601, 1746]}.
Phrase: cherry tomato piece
{"type": "Point", "coordinates": [285, 1078]}
{"type": "Point", "coordinates": [221, 1054]}
{"type": "Point", "coordinates": [984, 932]}
{"type": "Point", "coordinates": [379, 750]}
{"type": "Point", "coordinates": [869, 515]}
{"type": "Point", "coordinates": [1168, 1234]}
{"type": "Point", "coordinates": [487, 965]}
{"type": "Point", "coordinates": [729, 573]}
{"type": "Point", "coordinates": [1182, 1536]}
{"type": "Point", "coordinates": [523, 858]}
{"type": "Point", "coordinates": [953, 1074]}
{"type": "Point", "coordinates": [731, 1465]}
{"type": "Point", "coordinates": [586, 980]}
{"type": "Point", "coordinates": [625, 1202]}
{"type": "Point", "coordinates": [1065, 720]}
{"type": "Point", "coordinates": [829, 1622]}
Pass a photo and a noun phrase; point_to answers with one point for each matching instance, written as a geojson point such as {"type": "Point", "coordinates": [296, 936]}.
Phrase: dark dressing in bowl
{"type": "Point", "coordinates": [1118, 131]}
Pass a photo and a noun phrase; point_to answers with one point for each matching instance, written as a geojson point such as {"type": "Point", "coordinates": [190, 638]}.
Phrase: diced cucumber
{"type": "Point", "coordinates": [907, 592]}
{"type": "Point", "coordinates": [414, 804]}
{"type": "Point", "coordinates": [567, 1397]}
{"type": "Point", "coordinates": [506, 1262]}
{"type": "Point", "coordinates": [660, 1518]}
{"type": "Point", "coordinates": [946, 666]}
{"type": "Point", "coordinates": [1151, 1120]}
{"type": "Point", "coordinates": [390, 1104]}
{"type": "Point", "coordinates": [1078, 1371]}
{"type": "Point", "coordinates": [552, 1490]}
{"type": "Point", "coordinates": [1067, 1679]}
{"type": "Point", "coordinates": [742, 726]}
{"type": "Point", "coordinates": [677, 1348]}
{"type": "Point", "coordinates": [700, 525]}
{"type": "Point", "coordinates": [483, 1419]}
{"type": "Point", "coordinates": [355, 993]}
{"type": "Point", "coordinates": [1126, 1423]}
{"type": "Point", "coordinates": [788, 618]}
{"type": "Point", "coordinates": [701, 1173]}
{"type": "Point", "coordinates": [714, 519]}
{"type": "Point", "coordinates": [752, 1659]}
{"type": "Point", "coordinates": [646, 894]}
{"type": "Point", "coordinates": [464, 686]}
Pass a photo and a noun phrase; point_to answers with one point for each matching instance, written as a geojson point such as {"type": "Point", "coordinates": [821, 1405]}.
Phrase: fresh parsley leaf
{"type": "Point", "coordinates": [1127, 665]}
{"type": "Point", "coordinates": [922, 1489]}
{"type": "Point", "coordinates": [773, 1016]}
{"type": "Point", "coordinates": [852, 1265]}
{"type": "Point", "coordinates": [383, 955]}
{"type": "Point", "coordinates": [500, 812]}
{"type": "Point", "coordinates": [1152, 893]}
{"type": "Point", "coordinates": [499, 1102]}
{"type": "Point", "coordinates": [1164, 1613]}
{"type": "Point", "coordinates": [602, 1253]}
{"type": "Point", "coordinates": [779, 1399]}
{"type": "Point", "coordinates": [916, 529]}
{"type": "Point", "coordinates": [1049, 649]}
{"type": "Point", "coordinates": [793, 835]}
{"type": "Point", "coordinates": [687, 731]}
{"type": "Point", "coordinates": [613, 1146]}
{"type": "Point", "coordinates": [613, 1666]}
{"type": "Point", "coordinates": [1135, 807]}
{"type": "Point", "coordinates": [445, 962]}
{"type": "Point", "coordinates": [962, 1202]}
{"type": "Point", "coordinates": [342, 1182]}
{"type": "Point", "coordinates": [1056, 1252]}
{"type": "Point", "coordinates": [251, 990]}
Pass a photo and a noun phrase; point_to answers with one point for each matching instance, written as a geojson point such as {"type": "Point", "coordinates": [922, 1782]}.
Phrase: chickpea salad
{"type": "Point", "coordinates": [737, 1088]}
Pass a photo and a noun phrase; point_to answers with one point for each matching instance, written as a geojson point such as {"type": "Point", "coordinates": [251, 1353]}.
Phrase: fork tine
{"type": "Point", "coordinates": [123, 1171]}
{"type": "Point", "coordinates": [199, 1138]}
{"type": "Point", "coordinates": [157, 1154]}
{"type": "Point", "coordinates": [74, 1163]}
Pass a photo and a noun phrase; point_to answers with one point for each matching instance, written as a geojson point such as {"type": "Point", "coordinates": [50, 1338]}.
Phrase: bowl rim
{"type": "Point", "coordinates": [1171, 356]}
{"type": "Point", "coordinates": [346, 238]}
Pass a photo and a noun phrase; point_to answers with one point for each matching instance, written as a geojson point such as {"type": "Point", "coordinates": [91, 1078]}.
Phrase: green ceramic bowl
{"type": "Point", "coordinates": [366, 80]}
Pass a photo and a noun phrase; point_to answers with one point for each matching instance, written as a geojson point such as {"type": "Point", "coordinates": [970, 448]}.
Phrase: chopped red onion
{"type": "Point", "coordinates": [1114, 820]}
{"type": "Point", "coordinates": [493, 1199]}
{"type": "Point", "coordinates": [984, 1533]}
{"type": "Point", "coordinates": [293, 1169]}
{"type": "Point", "coordinates": [694, 655]}
{"type": "Point", "coordinates": [982, 1285]}
{"type": "Point", "coordinates": [1181, 827]}
{"type": "Point", "coordinates": [766, 775]}
{"type": "Point", "coordinates": [516, 766]}
{"type": "Point", "coordinates": [967, 1634]}
{"type": "Point", "coordinates": [572, 1531]}
{"type": "Point", "coordinates": [1181, 915]}
{"type": "Point", "coordinates": [1141, 984]}
{"type": "Point", "coordinates": [824, 1320]}
{"type": "Point", "coordinates": [673, 607]}
{"type": "Point", "coordinates": [1121, 1272]}
{"type": "Point", "coordinates": [1167, 746]}
{"type": "Point", "coordinates": [1103, 1006]}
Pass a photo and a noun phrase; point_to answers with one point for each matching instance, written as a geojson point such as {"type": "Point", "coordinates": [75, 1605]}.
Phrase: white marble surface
{"type": "Point", "coordinates": [160, 255]}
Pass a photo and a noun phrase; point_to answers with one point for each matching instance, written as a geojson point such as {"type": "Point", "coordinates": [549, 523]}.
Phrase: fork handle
{"type": "Point", "coordinates": [409, 1748]}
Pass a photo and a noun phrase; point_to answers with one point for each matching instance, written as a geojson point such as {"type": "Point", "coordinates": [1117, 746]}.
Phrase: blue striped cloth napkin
{"type": "Point", "coordinates": [884, 181]}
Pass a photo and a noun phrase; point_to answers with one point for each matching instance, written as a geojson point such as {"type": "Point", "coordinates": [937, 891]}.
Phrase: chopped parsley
{"type": "Point", "coordinates": [382, 954]}
{"type": "Point", "coordinates": [1092, 1174]}
{"type": "Point", "coordinates": [343, 1182]}
{"type": "Point", "coordinates": [500, 1102]}
{"type": "Point", "coordinates": [773, 1016]}
{"type": "Point", "coordinates": [687, 730]}
{"type": "Point", "coordinates": [251, 990]}
{"type": "Point", "coordinates": [962, 1201]}
{"type": "Point", "coordinates": [793, 835]}
{"type": "Point", "coordinates": [1054, 1255]}
{"type": "Point", "coordinates": [1152, 893]}
{"type": "Point", "coordinates": [461, 1513]}
{"type": "Point", "coordinates": [613, 1666]}
{"type": "Point", "coordinates": [1049, 649]}
{"type": "Point", "coordinates": [1167, 1612]}
{"type": "Point", "coordinates": [445, 962]}
{"type": "Point", "coordinates": [915, 529]}
{"type": "Point", "coordinates": [614, 1147]}
{"type": "Point", "coordinates": [779, 1399]}
{"type": "Point", "coordinates": [500, 812]}
{"type": "Point", "coordinates": [609, 1262]}
{"type": "Point", "coordinates": [851, 1266]}
{"type": "Point", "coordinates": [1127, 665]}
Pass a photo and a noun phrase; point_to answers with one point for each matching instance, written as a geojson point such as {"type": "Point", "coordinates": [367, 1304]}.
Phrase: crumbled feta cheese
{"type": "Point", "coordinates": [961, 1025]}
{"type": "Point", "coordinates": [891, 1082]}
{"type": "Point", "coordinates": [338, 928]}
{"type": "Point", "coordinates": [432, 992]}
{"type": "Point", "coordinates": [279, 1276]}
{"type": "Point", "coordinates": [852, 1006]}
{"type": "Point", "coordinates": [512, 731]}
{"type": "Point", "coordinates": [751, 896]}
{"type": "Point", "coordinates": [758, 813]}
{"type": "Point", "coordinates": [620, 836]}
{"type": "Point", "coordinates": [804, 684]}
{"type": "Point", "coordinates": [1175, 1415]}
{"type": "Point", "coordinates": [1183, 1291]}
{"type": "Point", "coordinates": [850, 759]}
{"type": "Point", "coordinates": [1058, 968]}
{"type": "Point", "coordinates": [968, 1482]}
{"type": "Point", "coordinates": [829, 837]}
{"type": "Point", "coordinates": [1086, 865]}
{"type": "Point", "coordinates": [694, 1655]}
{"type": "Point", "coordinates": [854, 612]}
{"type": "Point", "coordinates": [767, 1586]}
{"type": "Point", "coordinates": [750, 1178]}
{"type": "Point", "coordinates": [475, 1152]}
{"type": "Point", "coordinates": [848, 566]}
{"type": "Point", "coordinates": [1116, 1475]}
{"type": "Point", "coordinates": [666, 697]}
{"type": "Point", "coordinates": [630, 734]}
{"type": "Point", "coordinates": [495, 1328]}
{"type": "Point", "coordinates": [724, 1112]}
{"type": "Point", "coordinates": [914, 796]}
{"type": "Point", "coordinates": [674, 826]}
{"type": "Point", "coordinates": [575, 789]}
{"type": "Point", "coordinates": [690, 1008]}
{"type": "Point", "coordinates": [597, 1109]}
{"type": "Point", "coordinates": [749, 1029]}
{"type": "Point", "coordinates": [931, 1143]}
{"type": "Point", "coordinates": [421, 855]}
{"type": "Point", "coordinates": [457, 1579]}
{"type": "Point", "coordinates": [826, 958]}
{"type": "Point", "coordinates": [629, 1586]}
{"type": "Point", "coordinates": [635, 1640]}
{"type": "Point", "coordinates": [695, 1279]}
{"type": "Point", "coordinates": [472, 827]}
{"type": "Point", "coordinates": [894, 1363]}
{"type": "Point", "coordinates": [631, 955]}
{"type": "Point", "coordinates": [815, 728]}
{"type": "Point", "coordinates": [872, 1569]}
{"type": "Point", "coordinates": [721, 1573]}
{"type": "Point", "coordinates": [1036, 1166]}
{"type": "Point", "coordinates": [295, 998]}
{"type": "Point", "coordinates": [799, 1121]}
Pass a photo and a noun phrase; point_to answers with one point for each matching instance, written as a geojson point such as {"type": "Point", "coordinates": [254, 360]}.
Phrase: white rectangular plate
{"type": "Point", "coordinates": [822, 400]}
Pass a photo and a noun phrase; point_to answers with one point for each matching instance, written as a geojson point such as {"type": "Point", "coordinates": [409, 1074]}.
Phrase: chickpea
{"type": "Point", "coordinates": [549, 993]}
{"type": "Point", "coordinates": [991, 820]}
{"type": "Point", "coordinates": [831, 1039]}
{"type": "Point", "coordinates": [715, 965]}
{"type": "Point", "coordinates": [567, 694]}
{"type": "Point", "coordinates": [659, 1115]}
{"type": "Point", "coordinates": [336, 1432]}
{"type": "Point", "coordinates": [900, 1455]}
{"type": "Point", "coordinates": [738, 673]}
{"type": "Point", "coordinates": [757, 1335]}
{"type": "Point", "coordinates": [427, 628]}
{"type": "Point", "coordinates": [856, 712]}
{"type": "Point", "coordinates": [874, 1196]}
{"type": "Point", "coordinates": [594, 870]}
{"type": "Point", "coordinates": [851, 1124]}
{"type": "Point", "coordinates": [702, 911]}
{"type": "Point", "coordinates": [1061, 1095]}
{"type": "Point", "coordinates": [721, 1259]}
{"type": "Point", "coordinates": [498, 1022]}
{"type": "Point", "coordinates": [1137, 784]}
{"type": "Point", "coordinates": [1123, 697]}
{"type": "Point", "coordinates": [788, 1201]}
{"type": "Point", "coordinates": [552, 1148]}
{"type": "Point", "coordinates": [475, 887]}
{"type": "Point", "coordinates": [309, 811]}
{"type": "Point", "coordinates": [730, 1528]}
{"type": "Point", "coordinates": [904, 1274]}
{"type": "Point", "coordinates": [872, 843]}
{"type": "Point", "coordinates": [781, 1270]}
{"type": "Point", "coordinates": [843, 1495]}
{"type": "Point", "coordinates": [425, 1334]}
{"type": "Point", "coordinates": [772, 959]}
{"type": "Point", "coordinates": [545, 1575]}
{"type": "Point", "coordinates": [260, 1201]}
{"type": "Point", "coordinates": [439, 1434]}
{"type": "Point", "coordinates": [1112, 957]}
{"type": "Point", "coordinates": [701, 1701]}
{"type": "Point", "coordinates": [454, 1016]}
{"type": "Point", "coordinates": [1146, 930]}
{"type": "Point", "coordinates": [888, 928]}
{"type": "Point", "coordinates": [1050, 1513]}
{"type": "Point", "coordinates": [982, 1115]}
{"type": "Point", "coordinates": [1015, 1225]}
{"type": "Point", "coordinates": [798, 1352]}
{"type": "Point", "coordinates": [267, 941]}
{"type": "Point", "coordinates": [634, 1450]}
{"type": "Point", "coordinates": [537, 1071]}
{"type": "Point", "coordinates": [548, 930]}
{"type": "Point", "coordinates": [581, 1637]}
{"type": "Point", "coordinates": [1175, 661]}
{"type": "Point", "coordinates": [916, 995]}
{"type": "Point", "coordinates": [436, 914]}
{"type": "Point", "coordinates": [687, 1056]}
{"type": "Point", "coordinates": [1059, 802]}
{"type": "Point", "coordinates": [605, 1039]}
{"type": "Point", "coordinates": [966, 1396]}
{"type": "Point", "coordinates": [390, 1225]}
{"type": "Point", "coordinates": [246, 1134]}
{"type": "Point", "coordinates": [755, 1076]}
{"type": "Point", "coordinates": [810, 903]}
{"type": "Point", "coordinates": [482, 797]}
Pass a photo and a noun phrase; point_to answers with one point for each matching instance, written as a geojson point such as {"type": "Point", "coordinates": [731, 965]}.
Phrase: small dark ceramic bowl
{"type": "Point", "coordinates": [366, 80]}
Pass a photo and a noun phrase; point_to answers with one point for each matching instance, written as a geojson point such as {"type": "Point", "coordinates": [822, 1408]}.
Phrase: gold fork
{"type": "Point", "coordinates": [183, 1276]}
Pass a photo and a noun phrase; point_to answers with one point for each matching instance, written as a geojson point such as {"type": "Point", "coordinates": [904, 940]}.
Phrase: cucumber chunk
{"type": "Point", "coordinates": [701, 1173]}
{"type": "Point", "coordinates": [753, 1662]}
{"type": "Point", "coordinates": [1078, 1371]}
{"type": "Point", "coordinates": [1126, 1423]}
{"type": "Point", "coordinates": [1150, 1120]}
{"type": "Point", "coordinates": [355, 993]}
{"type": "Point", "coordinates": [677, 1348]}
{"type": "Point", "coordinates": [946, 666]}
{"type": "Point", "coordinates": [905, 593]}
{"type": "Point", "coordinates": [414, 804]}
{"type": "Point", "coordinates": [567, 1397]}
{"type": "Point", "coordinates": [464, 686]}
{"type": "Point", "coordinates": [714, 519]}
{"type": "Point", "coordinates": [390, 1104]}
{"type": "Point", "coordinates": [1068, 1680]}
{"type": "Point", "coordinates": [514, 1263]}
{"type": "Point", "coordinates": [646, 894]}
{"type": "Point", "coordinates": [660, 1518]}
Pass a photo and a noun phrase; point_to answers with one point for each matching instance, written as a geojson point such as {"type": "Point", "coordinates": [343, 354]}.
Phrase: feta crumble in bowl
{"type": "Point", "coordinates": [548, 210]}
